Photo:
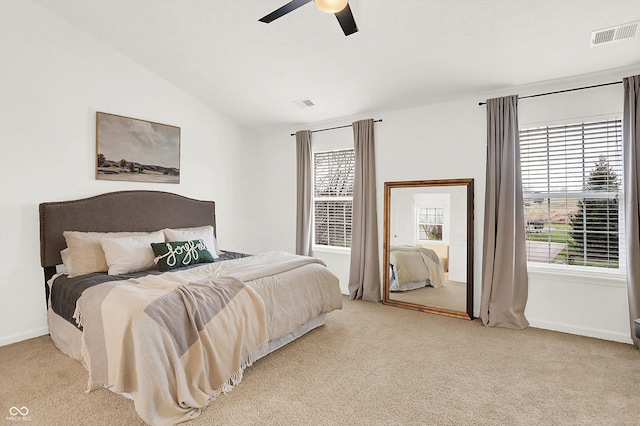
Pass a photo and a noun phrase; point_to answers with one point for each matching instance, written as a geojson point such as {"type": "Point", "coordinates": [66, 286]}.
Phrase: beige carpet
{"type": "Point", "coordinates": [452, 295]}
{"type": "Point", "coordinates": [371, 365]}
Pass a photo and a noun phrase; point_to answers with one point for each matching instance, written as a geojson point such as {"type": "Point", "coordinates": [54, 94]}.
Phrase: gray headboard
{"type": "Point", "coordinates": [117, 212]}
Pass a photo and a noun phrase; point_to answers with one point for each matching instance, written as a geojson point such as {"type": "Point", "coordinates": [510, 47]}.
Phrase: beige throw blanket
{"type": "Point", "coordinates": [176, 341]}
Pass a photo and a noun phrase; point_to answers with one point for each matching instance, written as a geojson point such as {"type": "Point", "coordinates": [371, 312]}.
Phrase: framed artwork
{"type": "Point", "coordinates": [130, 149]}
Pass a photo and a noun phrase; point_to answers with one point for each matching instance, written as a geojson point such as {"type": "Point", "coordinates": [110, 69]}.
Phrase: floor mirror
{"type": "Point", "coordinates": [428, 246]}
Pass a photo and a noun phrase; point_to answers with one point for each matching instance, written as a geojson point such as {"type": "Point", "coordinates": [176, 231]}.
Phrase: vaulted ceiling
{"type": "Point", "coordinates": [406, 52]}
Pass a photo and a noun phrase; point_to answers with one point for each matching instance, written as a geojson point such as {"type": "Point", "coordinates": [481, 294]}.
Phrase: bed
{"type": "Point", "coordinates": [413, 267]}
{"type": "Point", "coordinates": [175, 335]}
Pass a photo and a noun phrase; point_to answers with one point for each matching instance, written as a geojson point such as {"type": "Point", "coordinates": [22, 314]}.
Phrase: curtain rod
{"type": "Point", "coordinates": [339, 127]}
{"type": "Point", "coordinates": [562, 91]}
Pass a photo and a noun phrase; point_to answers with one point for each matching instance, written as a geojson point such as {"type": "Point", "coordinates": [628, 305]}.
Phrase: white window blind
{"type": "Point", "coordinates": [430, 223]}
{"type": "Point", "coordinates": [572, 190]}
{"type": "Point", "coordinates": [334, 173]}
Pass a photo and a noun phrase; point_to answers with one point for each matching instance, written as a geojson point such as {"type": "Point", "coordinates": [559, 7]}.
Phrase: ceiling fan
{"type": "Point", "coordinates": [340, 8]}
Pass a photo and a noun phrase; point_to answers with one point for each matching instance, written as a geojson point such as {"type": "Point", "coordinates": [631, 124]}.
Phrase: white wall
{"type": "Point", "coordinates": [53, 79]}
{"type": "Point", "coordinates": [402, 216]}
{"type": "Point", "coordinates": [458, 240]}
{"type": "Point", "coordinates": [445, 141]}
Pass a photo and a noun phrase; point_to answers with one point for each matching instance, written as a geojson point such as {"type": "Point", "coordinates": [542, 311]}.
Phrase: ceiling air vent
{"type": "Point", "coordinates": [609, 35]}
{"type": "Point", "coordinates": [304, 103]}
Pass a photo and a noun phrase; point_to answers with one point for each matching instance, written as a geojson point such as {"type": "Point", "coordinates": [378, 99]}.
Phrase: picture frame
{"type": "Point", "coordinates": [131, 149]}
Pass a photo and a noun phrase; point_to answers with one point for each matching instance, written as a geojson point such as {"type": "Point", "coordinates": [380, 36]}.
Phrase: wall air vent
{"type": "Point", "coordinates": [609, 35]}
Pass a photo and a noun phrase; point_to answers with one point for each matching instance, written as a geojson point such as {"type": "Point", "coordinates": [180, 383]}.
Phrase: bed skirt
{"type": "Point", "coordinates": [68, 338]}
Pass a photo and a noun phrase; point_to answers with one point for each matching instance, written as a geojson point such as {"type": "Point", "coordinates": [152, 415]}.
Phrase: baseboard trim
{"type": "Point", "coordinates": [581, 331]}
{"type": "Point", "coordinates": [545, 325]}
{"type": "Point", "coordinates": [15, 338]}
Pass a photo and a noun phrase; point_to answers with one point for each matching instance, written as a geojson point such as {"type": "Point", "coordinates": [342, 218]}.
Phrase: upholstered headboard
{"type": "Point", "coordinates": [117, 212]}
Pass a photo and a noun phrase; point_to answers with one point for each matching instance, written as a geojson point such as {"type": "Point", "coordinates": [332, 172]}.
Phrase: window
{"type": "Point", "coordinates": [333, 176]}
{"type": "Point", "coordinates": [572, 190]}
{"type": "Point", "coordinates": [430, 223]}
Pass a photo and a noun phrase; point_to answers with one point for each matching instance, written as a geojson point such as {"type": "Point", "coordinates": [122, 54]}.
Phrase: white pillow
{"type": "Point", "coordinates": [131, 253]}
{"type": "Point", "coordinates": [66, 258]}
{"type": "Point", "coordinates": [84, 254]}
{"type": "Point", "coordinates": [204, 233]}
{"type": "Point", "coordinates": [66, 261]}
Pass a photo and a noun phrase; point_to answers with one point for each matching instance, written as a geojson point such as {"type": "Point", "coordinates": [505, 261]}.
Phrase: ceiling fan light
{"type": "Point", "coordinates": [331, 6]}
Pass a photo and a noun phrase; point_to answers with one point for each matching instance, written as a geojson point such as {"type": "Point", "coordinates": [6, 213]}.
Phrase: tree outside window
{"type": "Point", "coordinates": [594, 235]}
{"type": "Point", "coordinates": [333, 180]}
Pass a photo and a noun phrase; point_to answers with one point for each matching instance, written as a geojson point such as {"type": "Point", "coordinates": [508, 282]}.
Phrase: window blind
{"type": "Point", "coordinates": [572, 189]}
{"type": "Point", "coordinates": [334, 174]}
{"type": "Point", "coordinates": [430, 223]}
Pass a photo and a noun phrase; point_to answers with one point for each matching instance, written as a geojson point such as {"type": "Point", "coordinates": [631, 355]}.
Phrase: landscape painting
{"type": "Point", "coordinates": [130, 149]}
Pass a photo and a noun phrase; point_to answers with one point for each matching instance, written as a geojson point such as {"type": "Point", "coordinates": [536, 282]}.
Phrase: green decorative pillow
{"type": "Point", "coordinates": [176, 254]}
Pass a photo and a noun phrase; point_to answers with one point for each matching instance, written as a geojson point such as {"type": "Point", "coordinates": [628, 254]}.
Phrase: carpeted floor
{"type": "Point", "coordinates": [370, 364]}
{"type": "Point", "coordinates": [452, 295]}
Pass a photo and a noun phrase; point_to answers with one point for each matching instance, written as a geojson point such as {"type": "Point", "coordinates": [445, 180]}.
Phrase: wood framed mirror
{"type": "Point", "coordinates": [428, 246]}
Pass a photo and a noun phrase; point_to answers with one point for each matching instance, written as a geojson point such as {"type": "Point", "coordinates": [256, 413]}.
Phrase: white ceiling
{"type": "Point", "coordinates": [407, 52]}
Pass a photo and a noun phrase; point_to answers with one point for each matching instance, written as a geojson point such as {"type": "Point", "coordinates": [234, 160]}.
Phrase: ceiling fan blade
{"type": "Point", "coordinates": [289, 7]}
{"type": "Point", "coordinates": [348, 24]}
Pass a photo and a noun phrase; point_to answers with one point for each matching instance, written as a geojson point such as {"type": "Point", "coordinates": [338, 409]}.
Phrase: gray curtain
{"type": "Point", "coordinates": [631, 144]}
{"type": "Point", "coordinates": [303, 208]}
{"type": "Point", "coordinates": [364, 276]}
{"type": "Point", "coordinates": [504, 265]}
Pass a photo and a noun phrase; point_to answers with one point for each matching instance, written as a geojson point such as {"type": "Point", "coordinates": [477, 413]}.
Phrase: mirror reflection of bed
{"type": "Point", "coordinates": [420, 275]}
{"type": "Point", "coordinates": [428, 245]}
